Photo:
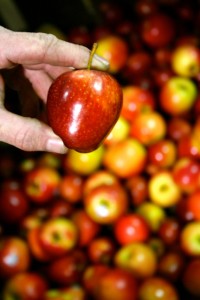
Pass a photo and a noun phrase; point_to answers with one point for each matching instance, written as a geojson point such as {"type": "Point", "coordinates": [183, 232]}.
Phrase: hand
{"type": "Point", "coordinates": [29, 62]}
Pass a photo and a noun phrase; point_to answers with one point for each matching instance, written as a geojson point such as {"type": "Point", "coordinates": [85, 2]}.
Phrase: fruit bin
{"type": "Point", "coordinates": [123, 221]}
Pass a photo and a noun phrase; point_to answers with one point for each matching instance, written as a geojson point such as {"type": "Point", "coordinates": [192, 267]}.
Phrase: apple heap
{"type": "Point", "coordinates": [121, 221]}
{"type": "Point", "coordinates": [83, 106]}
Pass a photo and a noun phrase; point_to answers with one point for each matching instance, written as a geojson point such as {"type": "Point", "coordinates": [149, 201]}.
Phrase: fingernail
{"type": "Point", "coordinates": [56, 145]}
{"type": "Point", "coordinates": [100, 62]}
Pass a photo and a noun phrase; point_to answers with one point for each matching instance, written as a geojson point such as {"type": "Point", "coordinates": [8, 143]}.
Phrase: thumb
{"type": "Point", "coordinates": [28, 134]}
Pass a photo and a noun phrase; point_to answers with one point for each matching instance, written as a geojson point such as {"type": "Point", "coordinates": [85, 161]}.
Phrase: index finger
{"type": "Point", "coordinates": [31, 49]}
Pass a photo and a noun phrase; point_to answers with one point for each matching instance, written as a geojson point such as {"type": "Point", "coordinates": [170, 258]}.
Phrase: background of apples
{"type": "Point", "coordinates": [123, 221]}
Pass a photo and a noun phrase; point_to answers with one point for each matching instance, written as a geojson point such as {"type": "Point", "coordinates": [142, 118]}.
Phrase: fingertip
{"type": "Point", "coordinates": [56, 145]}
{"type": "Point", "coordinates": [100, 63]}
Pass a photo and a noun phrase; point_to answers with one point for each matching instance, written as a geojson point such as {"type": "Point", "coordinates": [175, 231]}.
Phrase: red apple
{"type": "Point", "coordinates": [79, 35]}
{"type": "Point", "coordinates": [25, 286]}
{"type": "Point", "coordinates": [171, 265]}
{"type": "Point", "coordinates": [67, 269]}
{"type": "Point", "coordinates": [126, 158]}
{"type": "Point", "coordinates": [137, 64]}
{"type": "Point", "coordinates": [162, 154]}
{"type": "Point", "coordinates": [70, 188]}
{"type": "Point", "coordinates": [137, 187]}
{"type": "Point", "coordinates": [14, 204]}
{"type": "Point", "coordinates": [92, 275]}
{"type": "Point", "coordinates": [72, 101]}
{"type": "Point", "coordinates": [14, 256]}
{"type": "Point", "coordinates": [148, 127]}
{"type": "Point", "coordinates": [116, 284]}
{"type": "Point", "coordinates": [193, 204]}
{"type": "Point", "coordinates": [41, 184]}
{"type": "Point", "coordinates": [130, 228]}
{"type": "Point", "coordinates": [135, 101]}
{"type": "Point", "coordinates": [157, 30]}
{"type": "Point", "coordinates": [186, 173]}
{"type": "Point", "coordinates": [36, 248]}
{"type": "Point", "coordinates": [169, 231]}
{"type": "Point", "coordinates": [191, 277]}
{"type": "Point", "coordinates": [101, 250]}
{"type": "Point", "coordinates": [88, 229]}
{"type": "Point", "coordinates": [178, 127]}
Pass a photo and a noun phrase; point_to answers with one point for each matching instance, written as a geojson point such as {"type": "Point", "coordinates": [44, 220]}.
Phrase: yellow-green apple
{"type": "Point", "coordinates": [115, 50]}
{"type": "Point", "coordinates": [83, 106]}
{"type": "Point", "coordinates": [58, 235]}
{"type": "Point", "coordinates": [84, 163]}
{"type": "Point", "coordinates": [153, 213]}
{"type": "Point", "coordinates": [185, 60]}
{"type": "Point", "coordinates": [137, 258]}
{"type": "Point", "coordinates": [189, 238]}
{"type": "Point", "coordinates": [119, 132]}
{"type": "Point", "coordinates": [126, 158]}
{"type": "Point", "coordinates": [163, 190]}
{"type": "Point", "coordinates": [178, 95]}
{"type": "Point", "coordinates": [72, 291]}
{"type": "Point", "coordinates": [106, 203]}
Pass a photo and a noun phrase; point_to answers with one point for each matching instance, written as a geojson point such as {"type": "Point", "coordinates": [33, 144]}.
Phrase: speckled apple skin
{"type": "Point", "coordinates": [83, 106]}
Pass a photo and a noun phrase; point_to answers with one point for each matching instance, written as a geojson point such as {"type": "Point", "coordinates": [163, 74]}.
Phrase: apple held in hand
{"type": "Point", "coordinates": [83, 106]}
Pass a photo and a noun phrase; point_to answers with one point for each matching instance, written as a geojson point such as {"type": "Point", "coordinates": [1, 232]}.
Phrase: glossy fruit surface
{"type": "Point", "coordinates": [82, 107]}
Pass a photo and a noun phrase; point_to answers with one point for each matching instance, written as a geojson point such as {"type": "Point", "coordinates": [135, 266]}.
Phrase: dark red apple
{"type": "Point", "coordinates": [83, 106]}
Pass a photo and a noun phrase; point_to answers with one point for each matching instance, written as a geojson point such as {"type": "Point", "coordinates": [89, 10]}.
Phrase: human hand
{"type": "Point", "coordinates": [29, 62]}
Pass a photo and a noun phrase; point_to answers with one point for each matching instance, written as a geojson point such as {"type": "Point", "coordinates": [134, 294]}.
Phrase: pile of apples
{"type": "Point", "coordinates": [121, 222]}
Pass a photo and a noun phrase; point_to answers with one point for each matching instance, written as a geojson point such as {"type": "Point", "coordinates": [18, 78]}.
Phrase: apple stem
{"type": "Point", "coordinates": [94, 48]}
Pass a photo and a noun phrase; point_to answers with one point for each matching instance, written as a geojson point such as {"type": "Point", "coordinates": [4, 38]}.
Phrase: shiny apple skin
{"type": "Point", "coordinates": [83, 106]}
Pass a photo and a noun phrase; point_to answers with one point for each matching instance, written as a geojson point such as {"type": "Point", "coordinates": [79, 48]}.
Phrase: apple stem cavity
{"type": "Point", "coordinates": [94, 48]}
